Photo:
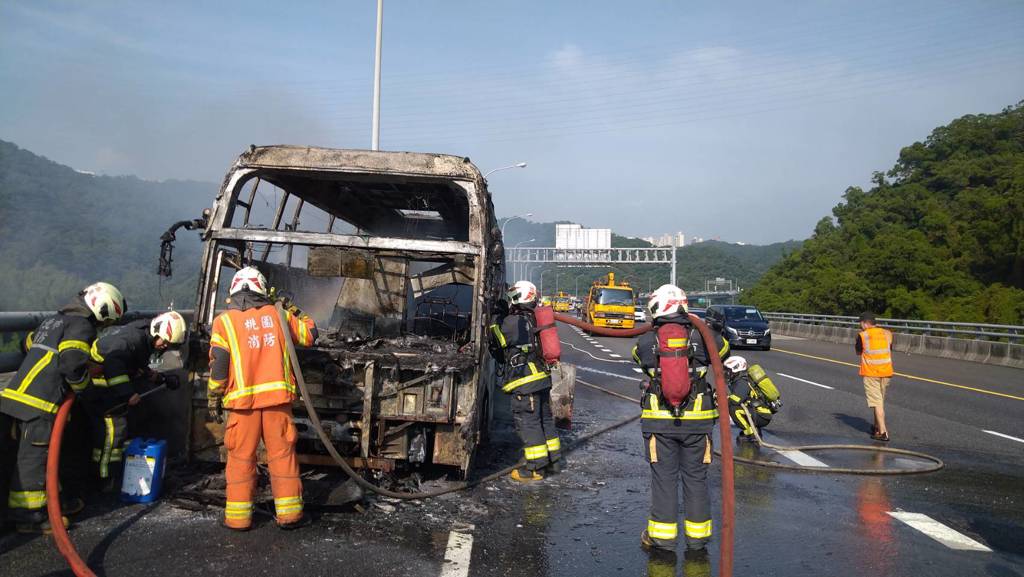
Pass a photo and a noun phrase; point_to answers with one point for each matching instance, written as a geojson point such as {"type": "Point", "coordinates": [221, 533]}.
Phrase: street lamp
{"type": "Point", "coordinates": [542, 278]}
{"type": "Point", "coordinates": [510, 219]}
{"type": "Point", "coordinates": [517, 165]}
{"type": "Point", "coordinates": [514, 268]}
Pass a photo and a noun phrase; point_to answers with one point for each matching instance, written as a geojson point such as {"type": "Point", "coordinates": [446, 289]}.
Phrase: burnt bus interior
{"type": "Point", "coordinates": [390, 269]}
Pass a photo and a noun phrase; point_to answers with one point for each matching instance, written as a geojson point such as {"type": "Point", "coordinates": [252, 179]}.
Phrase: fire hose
{"type": "Point", "coordinates": [60, 532]}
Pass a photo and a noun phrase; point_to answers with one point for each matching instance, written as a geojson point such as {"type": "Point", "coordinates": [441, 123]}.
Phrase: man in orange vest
{"type": "Point", "coordinates": [874, 345]}
{"type": "Point", "coordinates": [251, 375]}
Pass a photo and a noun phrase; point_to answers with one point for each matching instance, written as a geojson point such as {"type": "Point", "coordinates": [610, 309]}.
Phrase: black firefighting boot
{"type": "Point", "coordinates": [650, 543]}
{"type": "Point", "coordinates": [34, 522]}
{"type": "Point", "coordinates": [555, 467]}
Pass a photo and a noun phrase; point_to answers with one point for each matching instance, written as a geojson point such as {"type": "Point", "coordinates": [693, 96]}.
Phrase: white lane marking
{"type": "Point", "coordinates": [604, 350]}
{"type": "Point", "coordinates": [610, 374]}
{"type": "Point", "coordinates": [939, 532]}
{"type": "Point", "coordinates": [589, 354]}
{"type": "Point", "coordinates": [787, 338]}
{"type": "Point", "coordinates": [615, 356]}
{"type": "Point", "coordinates": [638, 369]}
{"type": "Point", "coordinates": [998, 434]}
{"type": "Point", "coordinates": [806, 381]}
{"type": "Point", "coordinates": [456, 556]}
{"type": "Point", "coordinates": [802, 459]}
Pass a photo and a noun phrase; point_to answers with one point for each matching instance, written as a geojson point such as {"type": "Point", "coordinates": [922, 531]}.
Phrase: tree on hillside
{"type": "Point", "coordinates": [940, 236]}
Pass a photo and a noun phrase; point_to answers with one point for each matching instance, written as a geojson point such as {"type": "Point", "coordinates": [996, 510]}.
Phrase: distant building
{"type": "Point", "coordinates": [677, 240]}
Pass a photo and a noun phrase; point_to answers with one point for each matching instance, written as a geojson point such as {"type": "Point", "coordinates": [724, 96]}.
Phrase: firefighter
{"type": "Point", "coordinates": [753, 398]}
{"type": "Point", "coordinates": [121, 376]}
{"type": "Point", "coordinates": [57, 357]}
{"type": "Point", "coordinates": [251, 376]}
{"type": "Point", "coordinates": [677, 439]}
{"type": "Point", "coordinates": [528, 380]}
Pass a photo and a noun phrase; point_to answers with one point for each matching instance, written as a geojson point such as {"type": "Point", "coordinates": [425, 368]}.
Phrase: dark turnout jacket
{"type": "Point", "coordinates": [124, 352]}
{"type": "Point", "coordinates": [525, 369]}
{"type": "Point", "coordinates": [56, 359]}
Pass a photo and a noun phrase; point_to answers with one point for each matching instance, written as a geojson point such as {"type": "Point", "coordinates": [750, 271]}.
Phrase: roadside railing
{"type": "Point", "coordinates": [977, 331]}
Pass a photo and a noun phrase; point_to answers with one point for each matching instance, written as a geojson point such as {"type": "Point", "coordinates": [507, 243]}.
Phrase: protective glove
{"type": "Point", "coordinates": [172, 382]}
{"type": "Point", "coordinates": [214, 409]}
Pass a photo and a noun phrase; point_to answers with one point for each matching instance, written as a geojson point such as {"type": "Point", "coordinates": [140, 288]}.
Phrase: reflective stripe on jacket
{"type": "Point", "coordinates": [876, 355]}
{"type": "Point", "coordinates": [259, 373]}
{"type": "Point", "coordinates": [57, 357]}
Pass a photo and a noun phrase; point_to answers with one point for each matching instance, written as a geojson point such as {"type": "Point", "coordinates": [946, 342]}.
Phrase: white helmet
{"type": "Point", "coordinates": [105, 301]}
{"type": "Point", "coordinates": [666, 300]}
{"type": "Point", "coordinates": [170, 326]}
{"type": "Point", "coordinates": [523, 292]}
{"type": "Point", "coordinates": [736, 364]}
{"type": "Point", "coordinates": [248, 278]}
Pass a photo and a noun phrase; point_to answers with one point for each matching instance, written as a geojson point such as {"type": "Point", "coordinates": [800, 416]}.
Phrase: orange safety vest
{"type": "Point", "coordinates": [876, 353]}
{"type": "Point", "coordinates": [261, 373]}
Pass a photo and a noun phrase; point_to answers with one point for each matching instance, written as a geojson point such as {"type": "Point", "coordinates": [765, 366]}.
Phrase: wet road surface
{"type": "Point", "coordinates": [967, 519]}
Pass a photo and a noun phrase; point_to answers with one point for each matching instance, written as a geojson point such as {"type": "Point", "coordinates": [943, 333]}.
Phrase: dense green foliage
{"type": "Point", "coordinates": [939, 237]}
{"type": "Point", "coordinates": [62, 229]}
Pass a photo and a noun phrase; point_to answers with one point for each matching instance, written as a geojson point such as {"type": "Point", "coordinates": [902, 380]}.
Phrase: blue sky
{"type": "Point", "coordinates": [744, 120]}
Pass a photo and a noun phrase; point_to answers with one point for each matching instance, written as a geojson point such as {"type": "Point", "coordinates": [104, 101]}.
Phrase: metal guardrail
{"type": "Point", "coordinates": [12, 322]}
{"type": "Point", "coordinates": [984, 331]}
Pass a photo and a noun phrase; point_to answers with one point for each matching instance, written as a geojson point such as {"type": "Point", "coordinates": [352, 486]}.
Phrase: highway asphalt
{"type": "Point", "coordinates": [967, 519]}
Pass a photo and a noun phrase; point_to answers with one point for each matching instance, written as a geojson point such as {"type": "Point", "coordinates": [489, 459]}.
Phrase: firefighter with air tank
{"type": "Point", "coordinates": [678, 415]}
{"type": "Point", "coordinates": [517, 346]}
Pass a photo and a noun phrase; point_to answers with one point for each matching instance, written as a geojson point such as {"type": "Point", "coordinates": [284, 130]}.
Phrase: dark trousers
{"type": "Point", "coordinates": [26, 499]}
{"type": "Point", "coordinates": [760, 419]}
{"type": "Point", "coordinates": [675, 456]}
{"type": "Point", "coordinates": [536, 427]}
{"type": "Point", "coordinates": [108, 433]}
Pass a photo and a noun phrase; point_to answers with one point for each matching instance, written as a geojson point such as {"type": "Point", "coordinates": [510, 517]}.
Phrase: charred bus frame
{"type": "Point", "coordinates": [401, 279]}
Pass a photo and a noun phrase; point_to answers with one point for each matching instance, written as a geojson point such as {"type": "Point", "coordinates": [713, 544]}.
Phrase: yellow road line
{"type": "Point", "coordinates": [904, 375]}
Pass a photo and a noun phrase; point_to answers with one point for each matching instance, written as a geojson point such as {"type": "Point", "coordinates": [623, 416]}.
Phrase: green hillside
{"type": "Point", "coordinates": [939, 237]}
{"type": "Point", "coordinates": [62, 229]}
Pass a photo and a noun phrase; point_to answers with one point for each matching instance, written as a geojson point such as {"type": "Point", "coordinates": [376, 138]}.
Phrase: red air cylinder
{"type": "Point", "coordinates": [674, 361]}
{"type": "Point", "coordinates": [547, 334]}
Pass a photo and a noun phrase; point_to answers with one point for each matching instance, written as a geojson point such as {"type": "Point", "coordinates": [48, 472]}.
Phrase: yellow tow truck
{"type": "Point", "coordinates": [562, 302]}
{"type": "Point", "coordinates": [611, 304]}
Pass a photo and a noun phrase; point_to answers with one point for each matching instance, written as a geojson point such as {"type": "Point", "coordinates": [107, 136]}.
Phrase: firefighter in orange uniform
{"type": "Point", "coordinates": [251, 376]}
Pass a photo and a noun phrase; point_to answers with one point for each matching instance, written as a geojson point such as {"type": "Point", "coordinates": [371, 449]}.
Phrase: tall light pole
{"type": "Point", "coordinates": [510, 219]}
{"type": "Point", "coordinates": [375, 138]}
{"type": "Point", "coordinates": [515, 269]}
{"type": "Point", "coordinates": [516, 165]}
{"type": "Point", "coordinates": [542, 278]}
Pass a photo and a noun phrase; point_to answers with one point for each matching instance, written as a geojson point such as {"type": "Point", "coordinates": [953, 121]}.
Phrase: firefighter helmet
{"type": "Point", "coordinates": [668, 299]}
{"type": "Point", "coordinates": [105, 301]}
{"type": "Point", "coordinates": [736, 364]}
{"type": "Point", "coordinates": [250, 279]}
{"type": "Point", "coordinates": [169, 326]}
{"type": "Point", "coordinates": [522, 293]}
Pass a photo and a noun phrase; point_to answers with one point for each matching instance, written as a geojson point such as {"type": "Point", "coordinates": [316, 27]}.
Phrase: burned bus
{"type": "Point", "coordinates": [398, 258]}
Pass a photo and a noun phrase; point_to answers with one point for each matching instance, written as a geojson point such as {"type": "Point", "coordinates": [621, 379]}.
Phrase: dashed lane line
{"type": "Point", "coordinates": [638, 369]}
{"type": "Point", "coordinates": [938, 531]}
{"type": "Point", "coordinates": [904, 375]}
{"type": "Point", "coordinates": [806, 381]}
{"type": "Point", "coordinates": [998, 434]}
{"type": "Point", "coordinates": [606, 373]}
{"type": "Point", "coordinates": [801, 458]}
{"type": "Point", "coordinates": [457, 555]}
{"type": "Point", "coordinates": [592, 356]}
{"type": "Point", "coordinates": [615, 356]}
